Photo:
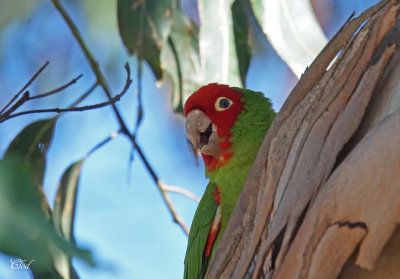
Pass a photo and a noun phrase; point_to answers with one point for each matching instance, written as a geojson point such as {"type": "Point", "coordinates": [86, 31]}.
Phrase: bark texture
{"type": "Point", "coordinates": [323, 197]}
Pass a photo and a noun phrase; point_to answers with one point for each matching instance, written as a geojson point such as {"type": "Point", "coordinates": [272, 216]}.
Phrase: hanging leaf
{"type": "Point", "coordinates": [144, 27]}
{"type": "Point", "coordinates": [217, 43]}
{"type": "Point", "coordinates": [180, 59]}
{"type": "Point", "coordinates": [26, 231]}
{"type": "Point", "coordinates": [65, 202]}
{"type": "Point", "coordinates": [292, 30]}
{"type": "Point", "coordinates": [240, 17]}
{"type": "Point", "coordinates": [31, 144]}
{"type": "Point", "coordinates": [64, 215]}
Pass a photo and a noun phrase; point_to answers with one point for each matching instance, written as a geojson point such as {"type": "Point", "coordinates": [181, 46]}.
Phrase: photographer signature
{"type": "Point", "coordinates": [20, 264]}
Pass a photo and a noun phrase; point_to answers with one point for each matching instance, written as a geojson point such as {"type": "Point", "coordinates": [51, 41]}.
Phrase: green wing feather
{"type": "Point", "coordinates": [195, 264]}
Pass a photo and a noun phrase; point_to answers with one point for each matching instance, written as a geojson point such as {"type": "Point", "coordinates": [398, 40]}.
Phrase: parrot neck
{"type": "Point", "coordinates": [213, 163]}
{"type": "Point", "coordinates": [240, 148]}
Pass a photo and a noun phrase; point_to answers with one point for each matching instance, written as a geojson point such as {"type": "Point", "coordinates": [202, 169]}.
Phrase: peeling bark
{"type": "Point", "coordinates": [323, 197]}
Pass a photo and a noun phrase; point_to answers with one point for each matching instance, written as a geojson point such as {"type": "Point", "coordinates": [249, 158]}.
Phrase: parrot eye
{"type": "Point", "coordinates": [222, 103]}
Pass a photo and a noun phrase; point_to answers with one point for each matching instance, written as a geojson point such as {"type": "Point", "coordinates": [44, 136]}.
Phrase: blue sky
{"type": "Point", "coordinates": [120, 214]}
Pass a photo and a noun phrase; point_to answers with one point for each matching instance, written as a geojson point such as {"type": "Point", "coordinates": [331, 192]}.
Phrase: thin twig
{"type": "Point", "coordinates": [112, 136]}
{"type": "Point", "coordinates": [84, 95]}
{"type": "Point", "coordinates": [111, 101]}
{"type": "Point", "coordinates": [180, 190]}
{"type": "Point", "coordinates": [177, 218]}
{"type": "Point", "coordinates": [25, 86]}
{"type": "Point", "coordinates": [6, 114]}
{"type": "Point", "coordinates": [139, 98]}
{"type": "Point", "coordinates": [62, 110]}
{"type": "Point", "coordinates": [20, 102]}
{"type": "Point", "coordinates": [54, 91]}
{"type": "Point", "coordinates": [139, 114]}
{"type": "Point", "coordinates": [124, 129]}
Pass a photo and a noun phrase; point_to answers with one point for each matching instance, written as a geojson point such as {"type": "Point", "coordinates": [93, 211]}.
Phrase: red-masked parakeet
{"type": "Point", "coordinates": [227, 125]}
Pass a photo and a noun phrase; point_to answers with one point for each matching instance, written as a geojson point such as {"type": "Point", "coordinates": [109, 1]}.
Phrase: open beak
{"type": "Point", "coordinates": [202, 133]}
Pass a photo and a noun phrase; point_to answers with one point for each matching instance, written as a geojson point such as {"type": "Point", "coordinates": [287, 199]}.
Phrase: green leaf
{"type": "Point", "coordinates": [180, 59]}
{"type": "Point", "coordinates": [241, 32]}
{"type": "Point", "coordinates": [64, 215]}
{"type": "Point", "coordinates": [30, 220]}
{"type": "Point", "coordinates": [31, 144]}
{"type": "Point", "coordinates": [65, 202]}
{"type": "Point", "coordinates": [292, 30]}
{"type": "Point", "coordinates": [217, 43]}
{"type": "Point", "coordinates": [144, 27]}
{"type": "Point", "coordinates": [26, 231]}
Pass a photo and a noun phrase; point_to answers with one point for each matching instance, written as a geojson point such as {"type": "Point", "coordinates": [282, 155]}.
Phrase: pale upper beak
{"type": "Point", "coordinates": [202, 133]}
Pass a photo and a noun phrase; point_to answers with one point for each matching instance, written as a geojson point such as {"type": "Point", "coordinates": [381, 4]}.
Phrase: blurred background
{"type": "Point", "coordinates": [120, 215]}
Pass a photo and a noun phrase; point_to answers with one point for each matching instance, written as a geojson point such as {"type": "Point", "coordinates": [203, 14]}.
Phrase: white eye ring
{"type": "Point", "coordinates": [222, 103]}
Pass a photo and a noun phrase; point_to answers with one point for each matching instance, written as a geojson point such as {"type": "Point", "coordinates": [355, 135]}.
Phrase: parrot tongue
{"type": "Point", "coordinates": [202, 133]}
{"type": "Point", "coordinates": [205, 136]}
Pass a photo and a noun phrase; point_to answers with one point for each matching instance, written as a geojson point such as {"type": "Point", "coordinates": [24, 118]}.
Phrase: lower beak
{"type": "Point", "coordinates": [202, 133]}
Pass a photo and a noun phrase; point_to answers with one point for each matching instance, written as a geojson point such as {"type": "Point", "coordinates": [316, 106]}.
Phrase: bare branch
{"type": "Point", "coordinates": [175, 215]}
{"type": "Point", "coordinates": [139, 114]}
{"type": "Point", "coordinates": [139, 98]}
{"type": "Point", "coordinates": [84, 95]}
{"type": "Point", "coordinates": [180, 190]}
{"type": "Point", "coordinates": [112, 136]}
{"type": "Point", "coordinates": [124, 129]}
{"type": "Point", "coordinates": [20, 102]}
{"type": "Point", "coordinates": [25, 86]}
{"type": "Point", "coordinates": [62, 110]}
{"type": "Point", "coordinates": [54, 91]}
{"type": "Point", "coordinates": [6, 114]}
{"type": "Point", "coordinates": [25, 97]}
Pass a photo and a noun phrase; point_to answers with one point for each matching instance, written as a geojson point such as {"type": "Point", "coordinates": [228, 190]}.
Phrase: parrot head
{"type": "Point", "coordinates": [211, 113]}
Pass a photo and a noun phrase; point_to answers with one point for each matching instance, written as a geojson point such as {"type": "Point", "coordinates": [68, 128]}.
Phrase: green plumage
{"type": "Point", "coordinates": [247, 135]}
{"type": "Point", "coordinates": [202, 220]}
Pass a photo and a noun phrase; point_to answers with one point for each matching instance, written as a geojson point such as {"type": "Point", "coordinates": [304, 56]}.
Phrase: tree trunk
{"type": "Point", "coordinates": [323, 197]}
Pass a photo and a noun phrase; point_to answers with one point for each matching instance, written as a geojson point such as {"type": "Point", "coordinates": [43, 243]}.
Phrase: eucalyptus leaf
{"type": "Point", "coordinates": [144, 27]}
{"type": "Point", "coordinates": [64, 215]}
{"type": "Point", "coordinates": [31, 144]}
{"type": "Point", "coordinates": [218, 54]}
{"type": "Point", "coordinates": [180, 59]}
{"type": "Point", "coordinates": [240, 16]}
{"type": "Point", "coordinates": [292, 29]}
{"type": "Point", "coordinates": [65, 202]}
{"type": "Point", "coordinates": [26, 231]}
